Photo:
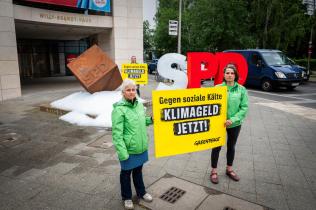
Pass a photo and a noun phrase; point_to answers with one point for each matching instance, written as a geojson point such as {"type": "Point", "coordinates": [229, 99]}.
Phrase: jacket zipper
{"type": "Point", "coordinates": [139, 118]}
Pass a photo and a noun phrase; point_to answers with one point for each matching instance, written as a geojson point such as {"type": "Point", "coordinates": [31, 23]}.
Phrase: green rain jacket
{"type": "Point", "coordinates": [237, 103]}
{"type": "Point", "coordinates": [129, 132]}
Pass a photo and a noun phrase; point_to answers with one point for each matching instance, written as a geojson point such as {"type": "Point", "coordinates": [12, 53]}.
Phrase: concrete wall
{"type": "Point", "coordinates": [10, 86]}
{"type": "Point", "coordinates": [57, 17]}
{"type": "Point", "coordinates": [127, 30]}
{"type": "Point", "coordinates": [121, 42]}
{"type": "Point", "coordinates": [105, 41]}
{"type": "Point", "coordinates": [126, 37]}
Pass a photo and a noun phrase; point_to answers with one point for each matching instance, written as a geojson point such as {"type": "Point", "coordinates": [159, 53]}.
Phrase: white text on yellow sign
{"type": "Point", "coordinates": [189, 120]}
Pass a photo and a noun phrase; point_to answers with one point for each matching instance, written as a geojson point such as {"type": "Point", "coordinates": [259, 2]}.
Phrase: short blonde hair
{"type": "Point", "coordinates": [126, 83]}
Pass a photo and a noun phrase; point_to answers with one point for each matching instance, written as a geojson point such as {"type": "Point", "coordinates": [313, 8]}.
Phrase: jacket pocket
{"type": "Point", "coordinates": [127, 140]}
{"type": "Point", "coordinates": [133, 143]}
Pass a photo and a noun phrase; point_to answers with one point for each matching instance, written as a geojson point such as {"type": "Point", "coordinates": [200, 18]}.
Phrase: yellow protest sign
{"type": "Point", "coordinates": [189, 120]}
{"type": "Point", "coordinates": [136, 72]}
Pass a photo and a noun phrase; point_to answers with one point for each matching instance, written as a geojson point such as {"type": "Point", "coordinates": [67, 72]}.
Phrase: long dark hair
{"type": "Point", "coordinates": [233, 67]}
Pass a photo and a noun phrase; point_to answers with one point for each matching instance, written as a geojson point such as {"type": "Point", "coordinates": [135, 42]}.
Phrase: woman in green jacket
{"type": "Point", "coordinates": [131, 142]}
{"type": "Point", "coordinates": [237, 108]}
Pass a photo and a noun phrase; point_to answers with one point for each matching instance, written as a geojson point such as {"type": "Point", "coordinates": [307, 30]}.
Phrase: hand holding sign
{"type": "Point", "coordinates": [228, 123]}
{"type": "Point", "coordinates": [189, 120]}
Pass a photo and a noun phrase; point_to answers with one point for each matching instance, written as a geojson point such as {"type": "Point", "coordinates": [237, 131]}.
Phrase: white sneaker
{"type": "Point", "coordinates": [148, 198]}
{"type": "Point", "coordinates": [128, 204]}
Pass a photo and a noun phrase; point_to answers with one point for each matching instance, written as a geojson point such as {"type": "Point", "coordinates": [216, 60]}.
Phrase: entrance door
{"type": "Point", "coordinates": [46, 58]}
{"type": "Point", "coordinates": [25, 65]}
{"type": "Point", "coordinates": [41, 65]}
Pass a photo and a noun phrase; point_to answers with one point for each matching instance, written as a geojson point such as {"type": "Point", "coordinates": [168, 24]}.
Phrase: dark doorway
{"type": "Point", "coordinates": [47, 58]}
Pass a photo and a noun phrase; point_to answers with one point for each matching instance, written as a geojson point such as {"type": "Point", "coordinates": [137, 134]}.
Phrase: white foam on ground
{"type": "Point", "coordinates": [81, 104]}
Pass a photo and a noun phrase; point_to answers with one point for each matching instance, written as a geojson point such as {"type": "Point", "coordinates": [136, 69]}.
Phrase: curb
{"type": "Point", "coordinates": [312, 78]}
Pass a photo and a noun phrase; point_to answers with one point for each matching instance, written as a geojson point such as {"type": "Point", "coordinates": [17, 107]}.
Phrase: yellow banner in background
{"type": "Point", "coordinates": [136, 72]}
{"type": "Point", "coordinates": [189, 120]}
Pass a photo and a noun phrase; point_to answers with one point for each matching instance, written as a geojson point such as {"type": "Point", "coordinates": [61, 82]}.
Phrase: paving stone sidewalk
{"type": "Point", "coordinates": [46, 163]}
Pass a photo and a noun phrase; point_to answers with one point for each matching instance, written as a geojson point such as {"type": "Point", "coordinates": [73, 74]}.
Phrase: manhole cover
{"type": "Point", "coordinates": [192, 196]}
{"type": "Point", "coordinates": [228, 208]}
{"type": "Point", "coordinates": [172, 195]}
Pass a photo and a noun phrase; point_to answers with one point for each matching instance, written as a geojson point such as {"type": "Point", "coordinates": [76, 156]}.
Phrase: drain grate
{"type": "Point", "coordinates": [228, 208]}
{"type": "Point", "coordinates": [172, 195]}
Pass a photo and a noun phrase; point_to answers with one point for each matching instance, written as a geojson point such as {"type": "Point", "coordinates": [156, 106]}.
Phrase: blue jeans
{"type": "Point", "coordinates": [125, 180]}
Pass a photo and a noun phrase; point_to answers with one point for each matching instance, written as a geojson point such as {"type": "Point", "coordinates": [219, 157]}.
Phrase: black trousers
{"type": "Point", "coordinates": [137, 90]}
{"type": "Point", "coordinates": [232, 135]}
{"type": "Point", "coordinates": [125, 180]}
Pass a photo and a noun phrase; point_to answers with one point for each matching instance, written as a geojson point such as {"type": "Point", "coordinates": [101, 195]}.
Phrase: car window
{"type": "Point", "coordinates": [254, 59]}
{"type": "Point", "coordinates": [276, 58]}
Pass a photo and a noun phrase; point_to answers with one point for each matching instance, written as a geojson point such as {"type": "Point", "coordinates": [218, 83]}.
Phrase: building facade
{"type": "Point", "coordinates": [38, 39]}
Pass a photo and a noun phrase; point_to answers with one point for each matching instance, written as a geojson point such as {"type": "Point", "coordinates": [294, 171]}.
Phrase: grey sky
{"type": "Point", "coordinates": [149, 11]}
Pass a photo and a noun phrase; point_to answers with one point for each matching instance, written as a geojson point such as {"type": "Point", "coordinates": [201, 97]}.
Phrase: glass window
{"type": "Point", "coordinates": [255, 59]}
{"type": "Point", "coordinates": [276, 58]}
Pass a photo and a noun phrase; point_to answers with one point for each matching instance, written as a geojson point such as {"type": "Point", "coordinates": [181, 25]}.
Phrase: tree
{"type": "Point", "coordinates": [278, 24]}
{"type": "Point", "coordinates": [218, 25]}
{"type": "Point", "coordinates": [148, 40]}
{"type": "Point", "coordinates": [207, 25]}
{"type": "Point", "coordinates": [168, 10]}
{"type": "Point", "coordinates": [213, 25]}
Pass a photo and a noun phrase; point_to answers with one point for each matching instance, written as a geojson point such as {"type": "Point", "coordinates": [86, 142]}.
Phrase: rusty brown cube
{"type": "Point", "coordinates": [96, 71]}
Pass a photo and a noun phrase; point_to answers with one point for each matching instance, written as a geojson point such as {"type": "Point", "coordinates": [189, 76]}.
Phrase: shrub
{"type": "Point", "coordinates": [303, 62]}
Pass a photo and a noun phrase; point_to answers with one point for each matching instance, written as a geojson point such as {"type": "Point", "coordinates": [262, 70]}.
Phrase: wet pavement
{"type": "Point", "coordinates": [46, 163]}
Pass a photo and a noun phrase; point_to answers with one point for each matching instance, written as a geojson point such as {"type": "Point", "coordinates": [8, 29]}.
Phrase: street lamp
{"type": "Point", "coordinates": [310, 11]}
{"type": "Point", "coordinates": [179, 28]}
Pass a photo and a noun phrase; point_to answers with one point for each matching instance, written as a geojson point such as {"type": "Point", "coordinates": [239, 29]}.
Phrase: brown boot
{"type": "Point", "coordinates": [231, 174]}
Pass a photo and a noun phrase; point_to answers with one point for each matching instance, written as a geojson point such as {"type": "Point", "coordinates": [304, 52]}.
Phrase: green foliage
{"type": "Point", "coordinates": [303, 62]}
{"type": "Point", "coordinates": [219, 25]}
{"type": "Point", "coordinates": [148, 40]}
{"type": "Point", "coordinates": [213, 25]}
{"type": "Point", "coordinates": [167, 11]}
{"type": "Point", "coordinates": [279, 23]}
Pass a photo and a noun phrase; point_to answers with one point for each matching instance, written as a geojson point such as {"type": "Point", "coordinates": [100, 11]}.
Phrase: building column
{"type": "Point", "coordinates": [105, 41]}
{"type": "Point", "coordinates": [10, 86]}
{"type": "Point", "coordinates": [126, 37]}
